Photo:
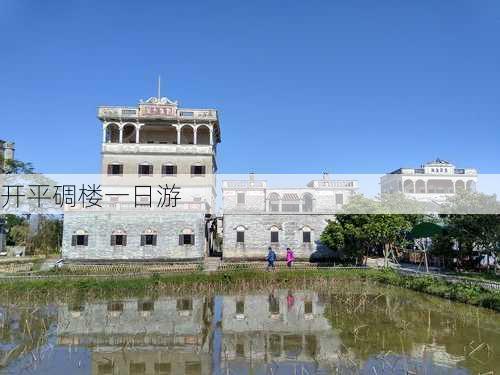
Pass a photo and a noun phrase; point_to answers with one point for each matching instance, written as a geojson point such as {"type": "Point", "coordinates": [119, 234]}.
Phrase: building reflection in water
{"type": "Point", "coordinates": [175, 335]}
{"type": "Point", "coordinates": [133, 336]}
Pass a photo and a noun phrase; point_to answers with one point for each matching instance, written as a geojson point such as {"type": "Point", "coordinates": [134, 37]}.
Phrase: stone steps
{"type": "Point", "coordinates": [211, 264]}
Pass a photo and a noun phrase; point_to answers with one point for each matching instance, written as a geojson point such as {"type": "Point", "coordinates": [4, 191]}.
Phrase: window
{"type": "Point", "coordinates": [115, 169]}
{"type": "Point", "coordinates": [163, 368]}
{"type": "Point", "coordinates": [186, 237]}
{"type": "Point", "coordinates": [275, 236]}
{"type": "Point", "coordinates": [80, 240]}
{"type": "Point", "coordinates": [240, 198]}
{"type": "Point", "coordinates": [184, 304]}
{"type": "Point", "coordinates": [118, 240]}
{"type": "Point", "coordinates": [308, 307]}
{"type": "Point", "coordinates": [240, 307]}
{"type": "Point", "coordinates": [145, 305]}
{"type": "Point", "coordinates": [169, 170]}
{"type": "Point", "coordinates": [240, 236]}
{"type": "Point", "coordinates": [306, 236]}
{"type": "Point", "coordinates": [193, 368]}
{"type": "Point", "coordinates": [148, 239]}
{"type": "Point", "coordinates": [105, 368]}
{"type": "Point", "coordinates": [274, 305]}
{"type": "Point", "coordinates": [145, 170]}
{"type": "Point", "coordinates": [115, 306]}
{"type": "Point", "coordinates": [197, 170]}
{"type": "Point", "coordinates": [339, 199]}
{"type": "Point", "coordinates": [137, 368]}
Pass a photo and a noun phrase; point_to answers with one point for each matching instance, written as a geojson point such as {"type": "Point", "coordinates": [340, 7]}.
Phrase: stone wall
{"type": "Point", "coordinates": [100, 226]}
{"type": "Point", "coordinates": [258, 234]}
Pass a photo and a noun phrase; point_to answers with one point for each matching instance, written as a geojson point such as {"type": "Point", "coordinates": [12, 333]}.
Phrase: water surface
{"type": "Point", "coordinates": [345, 328]}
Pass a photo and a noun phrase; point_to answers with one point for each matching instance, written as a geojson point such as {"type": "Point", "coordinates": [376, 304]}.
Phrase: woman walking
{"type": "Point", "coordinates": [290, 257]}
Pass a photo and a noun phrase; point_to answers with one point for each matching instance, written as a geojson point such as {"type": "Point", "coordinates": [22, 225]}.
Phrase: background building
{"type": "Point", "coordinates": [153, 144]}
{"type": "Point", "coordinates": [432, 182]}
{"type": "Point", "coordinates": [6, 153]}
{"type": "Point", "coordinates": [256, 217]}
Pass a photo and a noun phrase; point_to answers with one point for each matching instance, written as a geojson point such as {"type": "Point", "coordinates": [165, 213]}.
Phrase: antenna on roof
{"type": "Point", "coordinates": [159, 87]}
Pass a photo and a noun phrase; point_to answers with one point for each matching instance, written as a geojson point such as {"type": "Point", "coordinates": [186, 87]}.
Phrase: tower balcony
{"type": "Point", "coordinates": [157, 148]}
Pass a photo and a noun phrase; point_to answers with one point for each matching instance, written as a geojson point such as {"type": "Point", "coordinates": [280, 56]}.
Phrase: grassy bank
{"type": "Point", "coordinates": [244, 280]}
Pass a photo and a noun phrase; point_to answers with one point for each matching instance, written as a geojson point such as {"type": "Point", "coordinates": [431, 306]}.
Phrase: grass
{"type": "Point", "coordinates": [243, 280]}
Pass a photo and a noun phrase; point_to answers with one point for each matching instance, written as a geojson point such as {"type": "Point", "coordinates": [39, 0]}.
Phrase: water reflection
{"type": "Point", "coordinates": [348, 329]}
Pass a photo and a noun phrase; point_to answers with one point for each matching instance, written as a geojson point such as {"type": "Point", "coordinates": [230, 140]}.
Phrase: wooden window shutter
{"type": "Point", "coordinates": [110, 168]}
{"type": "Point", "coordinates": [143, 240]}
{"type": "Point", "coordinates": [113, 240]}
{"type": "Point", "coordinates": [86, 240]}
{"type": "Point", "coordinates": [73, 240]}
{"type": "Point", "coordinates": [203, 169]}
{"type": "Point", "coordinates": [124, 240]}
{"type": "Point", "coordinates": [174, 170]}
{"type": "Point", "coordinates": [192, 239]}
{"type": "Point", "coordinates": [154, 239]}
{"type": "Point", "coordinates": [181, 239]}
{"type": "Point", "coordinates": [193, 167]}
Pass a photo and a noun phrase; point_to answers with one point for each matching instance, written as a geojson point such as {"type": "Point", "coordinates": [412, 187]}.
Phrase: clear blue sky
{"type": "Point", "coordinates": [302, 86]}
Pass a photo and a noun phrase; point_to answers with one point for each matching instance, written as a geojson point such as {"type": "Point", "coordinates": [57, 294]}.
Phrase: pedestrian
{"type": "Point", "coordinates": [290, 257]}
{"type": "Point", "coordinates": [271, 258]}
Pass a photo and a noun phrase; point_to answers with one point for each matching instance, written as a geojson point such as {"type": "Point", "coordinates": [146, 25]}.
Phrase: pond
{"type": "Point", "coordinates": [347, 327]}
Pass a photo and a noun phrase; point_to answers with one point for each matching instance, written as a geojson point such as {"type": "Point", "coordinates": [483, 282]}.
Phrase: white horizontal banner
{"type": "Point", "coordinates": [217, 194]}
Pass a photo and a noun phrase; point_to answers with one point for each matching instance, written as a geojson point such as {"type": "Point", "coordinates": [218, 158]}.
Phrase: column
{"type": "Point", "coordinates": [104, 128]}
{"type": "Point", "coordinates": [137, 131]}
{"type": "Point", "coordinates": [121, 134]}
{"type": "Point", "coordinates": [178, 134]}
{"type": "Point", "coordinates": [195, 134]}
{"type": "Point", "coordinates": [211, 135]}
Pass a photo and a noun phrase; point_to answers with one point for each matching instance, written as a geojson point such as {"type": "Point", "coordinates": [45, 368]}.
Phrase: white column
{"type": "Point", "coordinates": [211, 135]}
{"type": "Point", "coordinates": [137, 131]}
{"type": "Point", "coordinates": [195, 135]}
{"type": "Point", "coordinates": [178, 135]}
{"type": "Point", "coordinates": [104, 127]}
{"type": "Point", "coordinates": [121, 133]}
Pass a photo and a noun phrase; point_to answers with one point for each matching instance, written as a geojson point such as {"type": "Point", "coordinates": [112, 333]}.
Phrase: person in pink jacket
{"type": "Point", "coordinates": [290, 257]}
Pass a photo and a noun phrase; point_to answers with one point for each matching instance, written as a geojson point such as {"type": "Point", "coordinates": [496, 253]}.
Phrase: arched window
{"type": "Point", "coordinates": [119, 238]}
{"type": "Point", "coordinates": [149, 237]}
{"type": "Point", "coordinates": [158, 133]}
{"type": "Point", "coordinates": [80, 238]}
{"type": "Point", "coordinates": [459, 185]}
{"type": "Point", "coordinates": [129, 133]}
{"type": "Point", "coordinates": [274, 202]}
{"type": "Point", "coordinates": [112, 133]}
{"type": "Point", "coordinates": [186, 237]}
{"type": "Point", "coordinates": [409, 186]}
{"type": "Point", "coordinates": [275, 234]}
{"type": "Point", "coordinates": [307, 202]}
{"type": "Point", "coordinates": [471, 186]}
{"type": "Point", "coordinates": [306, 234]}
{"type": "Point", "coordinates": [187, 135]}
{"type": "Point", "coordinates": [240, 234]}
{"type": "Point", "coordinates": [203, 135]}
{"type": "Point", "coordinates": [420, 187]}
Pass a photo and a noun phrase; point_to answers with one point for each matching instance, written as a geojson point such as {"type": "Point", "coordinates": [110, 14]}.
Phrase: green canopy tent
{"type": "Point", "coordinates": [422, 234]}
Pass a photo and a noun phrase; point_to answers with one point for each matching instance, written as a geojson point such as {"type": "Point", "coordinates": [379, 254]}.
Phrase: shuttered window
{"type": "Point", "coordinates": [186, 239]}
{"type": "Point", "coordinates": [169, 170]}
{"type": "Point", "coordinates": [115, 169]}
{"type": "Point", "coordinates": [80, 240]}
{"type": "Point", "coordinates": [148, 239]}
{"type": "Point", "coordinates": [118, 240]}
{"type": "Point", "coordinates": [240, 236]}
{"type": "Point", "coordinates": [306, 237]}
{"type": "Point", "coordinates": [145, 170]}
{"type": "Point", "coordinates": [275, 236]}
{"type": "Point", "coordinates": [198, 170]}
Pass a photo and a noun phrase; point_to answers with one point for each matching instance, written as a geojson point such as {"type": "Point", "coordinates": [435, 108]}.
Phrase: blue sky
{"type": "Point", "coordinates": [302, 87]}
